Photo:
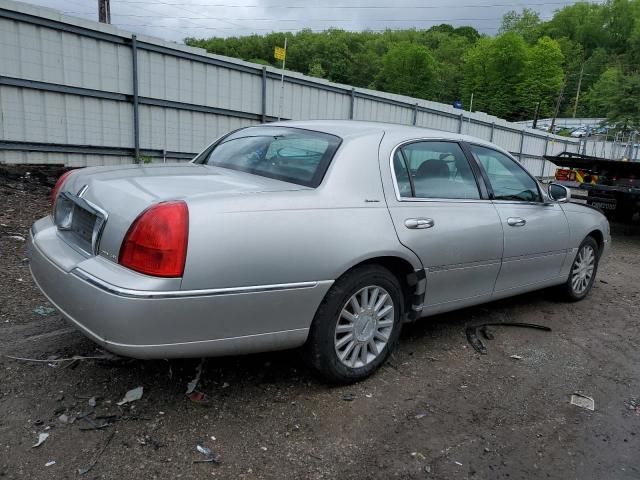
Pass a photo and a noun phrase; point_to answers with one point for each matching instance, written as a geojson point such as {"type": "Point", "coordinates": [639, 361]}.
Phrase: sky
{"type": "Point", "coordinates": [177, 19]}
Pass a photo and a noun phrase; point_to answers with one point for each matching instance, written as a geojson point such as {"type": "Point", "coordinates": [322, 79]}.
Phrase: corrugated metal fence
{"type": "Point", "coordinates": [83, 93]}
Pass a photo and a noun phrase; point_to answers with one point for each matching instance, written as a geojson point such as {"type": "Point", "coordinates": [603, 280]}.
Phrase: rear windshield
{"type": "Point", "coordinates": [289, 154]}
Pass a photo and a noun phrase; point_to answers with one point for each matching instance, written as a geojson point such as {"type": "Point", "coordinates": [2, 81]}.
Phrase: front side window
{"type": "Point", "coordinates": [289, 154]}
{"type": "Point", "coordinates": [508, 179]}
{"type": "Point", "coordinates": [432, 169]}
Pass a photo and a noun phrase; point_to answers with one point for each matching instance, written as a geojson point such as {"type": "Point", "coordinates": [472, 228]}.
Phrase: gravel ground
{"type": "Point", "coordinates": [437, 409]}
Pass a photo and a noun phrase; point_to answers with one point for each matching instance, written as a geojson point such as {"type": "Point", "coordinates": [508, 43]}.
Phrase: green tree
{"type": "Point", "coordinates": [526, 23]}
{"type": "Point", "coordinates": [409, 69]}
{"type": "Point", "coordinates": [542, 78]}
{"type": "Point", "coordinates": [316, 70]}
{"type": "Point", "coordinates": [507, 73]}
{"type": "Point", "coordinates": [493, 71]}
{"type": "Point", "coordinates": [615, 96]}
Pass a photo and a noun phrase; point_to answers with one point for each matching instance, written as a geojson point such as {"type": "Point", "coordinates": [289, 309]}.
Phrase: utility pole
{"type": "Point", "coordinates": [535, 116]}
{"type": "Point", "coordinates": [284, 56]}
{"type": "Point", "coordinates": [575, 105]}
{"type": "Point", "coordinates": [557, 109]}
{"type": "Point", "coordinates": [104, 11]}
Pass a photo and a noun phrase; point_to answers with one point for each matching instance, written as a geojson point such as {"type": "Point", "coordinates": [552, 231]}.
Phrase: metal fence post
{"type": "Point", "coordinates": [136, 119]}
{"type": "Point", "coordinates": [461, 121]}
{"type": "Point", "coordinates": [521, 146]}
{"type": "Point", "coordinates": [352, 104]}
{"type": "Point", "coordinates": [544, 160]}
{"type": "Point", "coordinates": [493, 129]}
{"type": "Point", "coordinates": [264, 94]}
{"type": "Point", "coordinates": [414, 120]}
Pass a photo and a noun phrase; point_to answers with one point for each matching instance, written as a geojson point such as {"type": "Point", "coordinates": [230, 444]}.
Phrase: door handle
{"type": "Point", "coordinates": [417, 223]}
{"type": "Point", "coordinates": [516, 221]}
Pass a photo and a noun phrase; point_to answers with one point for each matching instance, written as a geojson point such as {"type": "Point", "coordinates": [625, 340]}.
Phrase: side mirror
{"type": "Point", "coordinates": [559, 193]}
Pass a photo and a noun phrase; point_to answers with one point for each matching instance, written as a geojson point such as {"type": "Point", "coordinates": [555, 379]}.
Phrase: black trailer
{"type": "Point", "coordinates": [613, 186]}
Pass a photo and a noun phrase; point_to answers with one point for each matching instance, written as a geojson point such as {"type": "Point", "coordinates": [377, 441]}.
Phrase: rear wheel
{"type": "Point", "coordinates": [357, 325]}
{"type": "Point", "coordinates": [583, 271]}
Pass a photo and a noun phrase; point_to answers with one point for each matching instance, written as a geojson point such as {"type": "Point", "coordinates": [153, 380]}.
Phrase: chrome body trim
{"type": "Point", "coordinates": [127, 292]}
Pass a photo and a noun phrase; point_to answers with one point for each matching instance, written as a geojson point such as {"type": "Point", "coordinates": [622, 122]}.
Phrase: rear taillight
{"type": "Point", "coordinates": [58, 186]}
{"type": "Point", "coordinates": [156, 243]}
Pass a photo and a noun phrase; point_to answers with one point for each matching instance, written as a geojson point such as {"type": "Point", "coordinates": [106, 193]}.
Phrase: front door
{"type": "Point", "coordinates": [536, 233]}
{"type": "Point", "coordinates": [440, 212]}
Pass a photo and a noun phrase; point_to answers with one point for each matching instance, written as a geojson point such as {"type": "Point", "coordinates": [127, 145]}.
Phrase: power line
{"type": "Point", "coordinates": [274, 19]}
{"type": "Point", "coordinates": [345, 7]}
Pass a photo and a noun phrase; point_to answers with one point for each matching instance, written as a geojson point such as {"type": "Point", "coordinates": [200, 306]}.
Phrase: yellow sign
{"type": "Point", "coordinates": [279, 53]}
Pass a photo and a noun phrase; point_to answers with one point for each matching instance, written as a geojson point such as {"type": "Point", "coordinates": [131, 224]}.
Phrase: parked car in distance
{"type": "Point", "coordinates": [581, 132]}
{"type": "Point", "coordinates": [326, 235]}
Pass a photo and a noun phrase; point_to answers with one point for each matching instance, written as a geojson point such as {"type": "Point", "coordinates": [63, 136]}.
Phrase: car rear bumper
{"type": "Point", "coordinates": [170, 323]}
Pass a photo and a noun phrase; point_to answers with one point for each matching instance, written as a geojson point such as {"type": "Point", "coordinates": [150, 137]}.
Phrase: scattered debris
{"type": "Point", "coordinates": [147, 440]}
{"type": "Point", "coordinates": [225, 385]}
{"type": "Point", "coordinates": [476, 343]}
{"type": "Point", "coordinates": [42, 437]}
{"type": "Point", "coordinates": [200, 398]}
{"type": "Point", "coordinates": [50, 463]}
{"type": "Point", "coordinates": [458, 463]}
{"type": "Point", "coordinates": [92, 402]}
{"type": "Point", "coordinates": [634, 405]}
{"type": "Point", "coordinates": [84, 470]}
{"type": "Point", "coordinates": [516, 357]}
{"type": "Point", "coordinates": [264, 449]}
{"type": "Point", "coordinates": [427, 468]}
{"type": "Point", "coordinates": [348, 397]}
{"type": "Point", "coordinates": [418, 455]}
{"type": "Point", "coordinates": [583, 401]}
{"type": "Point", "coordinates": [75, 358]}
{"type": "Point", "coordinates": [63, 418]}
{"type": "Point", "coordinates": [604, 281]}
{"type": "Point", "coordinates": [45, 311]}
{"type": "Point", "coordinates": [16, 237]}
{"type": "Point", "coordinates": [131, 396]}
{"type": "Point", "coordinates": [191, 386]}
{"type": "Point", "coordinates": [210, 457]}
{"type": "Point", "coordinates": [420, 415]}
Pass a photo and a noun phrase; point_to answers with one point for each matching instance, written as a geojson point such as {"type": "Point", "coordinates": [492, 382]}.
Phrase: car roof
{"type": "Point", "coordinates": [355, 128]}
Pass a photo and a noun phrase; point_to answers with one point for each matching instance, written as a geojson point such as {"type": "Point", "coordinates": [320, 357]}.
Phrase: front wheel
{"type": "Point", "coordinates": [356, 325]}
{"type": "Point", "coordinates": [583, 271]}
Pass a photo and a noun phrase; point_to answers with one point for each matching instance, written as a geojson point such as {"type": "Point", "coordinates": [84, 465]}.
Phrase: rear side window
{"type": "Point", "coordinates": [433, 169]}
{"type": "Point", "coordinates": [289, 154]}
{"type": "Point", "coordinates": [509, 180]}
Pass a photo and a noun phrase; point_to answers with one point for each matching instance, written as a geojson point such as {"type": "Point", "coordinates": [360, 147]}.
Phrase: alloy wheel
{"type": "Point", "coordinates": [364, 327]}
{"type": "Point", "coordinates": [582, 269]}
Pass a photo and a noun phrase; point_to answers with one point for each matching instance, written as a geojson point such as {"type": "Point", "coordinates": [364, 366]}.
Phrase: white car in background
{"type": "Point", "coordinates": [580, 132]}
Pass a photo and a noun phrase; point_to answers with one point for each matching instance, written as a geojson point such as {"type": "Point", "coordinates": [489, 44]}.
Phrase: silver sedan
{"type": "Point", "coordinates": [322, 234]}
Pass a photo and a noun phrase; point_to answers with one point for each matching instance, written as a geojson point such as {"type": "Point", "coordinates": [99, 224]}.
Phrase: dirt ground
{"type": "Point", "coordinates": [437, 409]}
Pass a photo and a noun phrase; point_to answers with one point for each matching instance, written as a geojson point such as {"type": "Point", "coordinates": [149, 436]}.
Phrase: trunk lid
{"type": "Point", "coordinates": [117, 195]}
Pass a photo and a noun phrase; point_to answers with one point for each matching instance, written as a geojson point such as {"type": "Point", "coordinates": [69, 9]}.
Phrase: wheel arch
{"type": "Point", "coordinates": [411, 279]}
{"type": "Point", "coordinates": [598, 236]}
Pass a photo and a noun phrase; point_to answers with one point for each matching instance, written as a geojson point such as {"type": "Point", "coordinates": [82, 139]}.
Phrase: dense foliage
{"type": "Point", "coordinates": [529, 62]}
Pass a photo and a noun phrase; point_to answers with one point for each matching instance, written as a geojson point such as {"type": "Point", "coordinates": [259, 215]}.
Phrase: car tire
{"type": "Point", "coordinates": [583, 271]}
{"type": "Point", "coordinates": [373, 330]}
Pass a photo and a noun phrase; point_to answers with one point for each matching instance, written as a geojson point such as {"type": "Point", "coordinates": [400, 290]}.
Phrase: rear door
{"type": "Point", "coordinates": [441, 211]}
{"type": "Point", "coordinates": [536, 233]}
